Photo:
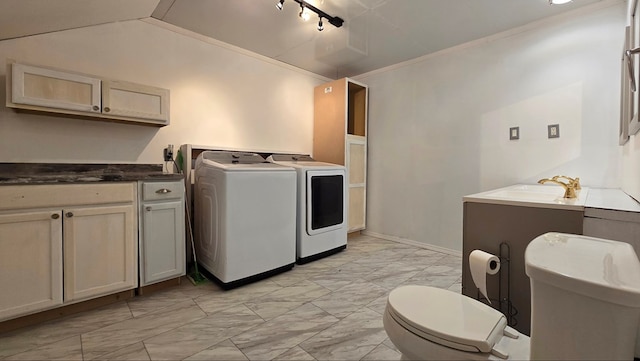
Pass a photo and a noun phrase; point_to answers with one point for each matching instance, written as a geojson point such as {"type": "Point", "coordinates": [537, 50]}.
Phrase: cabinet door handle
{"type": "Point", "coordinates": [55, 216]}
{"type": "Point", "coordinates": [69, 214]}
{"type": "Point", "coordinates": [148, 209]}
{"type": "Point", "coordinates": [107, 109]}
{"type": "Point", "coordinates": [96, 108]}
{"type": "Point", "coordinates": [163, 191]}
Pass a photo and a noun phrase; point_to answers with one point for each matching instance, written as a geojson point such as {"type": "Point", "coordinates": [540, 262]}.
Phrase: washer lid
{"type": "Point", "coordinates": [290, 158]}
{"type": "Point", "coordinates": [447, 318]}
{"type": "Point", "coordinates": [301, 161]}
{"type": "Point", "coordinates": [228, 157]}
{"type": "Point", "coordinates": [237, 161]}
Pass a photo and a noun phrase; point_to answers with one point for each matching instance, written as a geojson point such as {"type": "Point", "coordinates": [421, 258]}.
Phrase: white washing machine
{"type": "Point", "coordinates": [244, 214]}
{"type": "Point", "coordinates": [321, 206]}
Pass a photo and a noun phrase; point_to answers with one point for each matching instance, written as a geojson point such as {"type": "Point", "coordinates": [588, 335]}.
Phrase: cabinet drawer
{"type": "Point", "coordinates": [64, 195]}
{"type": "Point", "coordinates": [161, 190]}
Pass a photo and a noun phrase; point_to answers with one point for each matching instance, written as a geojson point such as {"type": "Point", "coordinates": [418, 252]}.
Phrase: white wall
{"type": "Point", "coordinates": [439, 125]}
{"type": "Point", "coordinates": [219, 96]}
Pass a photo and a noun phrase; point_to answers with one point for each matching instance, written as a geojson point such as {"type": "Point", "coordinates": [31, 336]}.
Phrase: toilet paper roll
{"type": "Point", "coordinates": [481, 264]}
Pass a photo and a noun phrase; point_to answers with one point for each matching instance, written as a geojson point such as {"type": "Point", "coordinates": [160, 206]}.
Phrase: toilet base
{"type": "Point", "coordinates": [413, 347]}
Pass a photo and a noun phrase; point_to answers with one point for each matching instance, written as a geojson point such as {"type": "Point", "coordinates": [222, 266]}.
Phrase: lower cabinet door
{"type": "Point", "coordinates": [356, 163]}
{"type": "Point", "coordinates": [30, 262]}
{"type": "Point", "coordinates": [162, 242]}
{"type": "Point", "coordinates": [100, 251]}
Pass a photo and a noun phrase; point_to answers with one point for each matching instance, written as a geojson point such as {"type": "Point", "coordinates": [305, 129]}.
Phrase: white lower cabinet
{"type": "Point", "coordinates": [162, 236]}
{"type": "Point", "coordinates": [31, 262]}
{"type": "Point", "coordinates": [99, 251]}
{"type": "Point", "coordinates": [95, 225]}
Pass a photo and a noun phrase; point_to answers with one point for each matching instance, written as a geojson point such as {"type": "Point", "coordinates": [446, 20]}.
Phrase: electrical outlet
{"type": "Point", "coordinates": [168, 153]}
{"type": "Point", "coordinates": [514, 133]}
{"type": "Point", "coordinates": [553, 131]}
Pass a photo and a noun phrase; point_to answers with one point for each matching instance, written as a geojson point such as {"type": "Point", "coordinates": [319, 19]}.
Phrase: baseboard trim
{"type": "Point", "coordinates": [411, 242]}
{"type": "Point", "coordinates": [62, 311]}
{"type": "Point", "coordinates": [155, 287]}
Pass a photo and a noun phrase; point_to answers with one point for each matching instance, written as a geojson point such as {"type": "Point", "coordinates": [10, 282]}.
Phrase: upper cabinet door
{"type": "Point", "coordinates": [54, 89]}
{"type": "Point", "coordinates": [135, 101]}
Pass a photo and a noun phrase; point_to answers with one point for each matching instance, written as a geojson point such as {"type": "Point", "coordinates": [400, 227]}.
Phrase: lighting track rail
{"type": "Point", "coordinates": [304, 6]}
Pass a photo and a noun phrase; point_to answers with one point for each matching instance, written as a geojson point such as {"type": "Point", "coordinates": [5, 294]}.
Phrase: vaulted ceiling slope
{"type": "Point", "coordinates": [376, 33]}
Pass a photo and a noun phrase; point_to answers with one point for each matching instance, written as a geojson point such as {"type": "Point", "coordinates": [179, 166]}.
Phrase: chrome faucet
{"type": "Point", "coordinates": [569, 188]}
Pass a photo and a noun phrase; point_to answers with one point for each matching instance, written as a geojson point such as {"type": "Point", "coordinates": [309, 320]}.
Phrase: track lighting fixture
{"type": "Point", "coordinates": [305, 14]}
{"type": "Point", "coordinates": [558, 2]}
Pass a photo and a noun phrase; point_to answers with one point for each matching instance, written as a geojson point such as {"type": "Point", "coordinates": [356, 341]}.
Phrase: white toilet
{"type": "Point", "coordinates": [585, 300]}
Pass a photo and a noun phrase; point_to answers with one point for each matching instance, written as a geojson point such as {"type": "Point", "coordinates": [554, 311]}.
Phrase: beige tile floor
{"type": "Point", "coordinates": [330, 309]}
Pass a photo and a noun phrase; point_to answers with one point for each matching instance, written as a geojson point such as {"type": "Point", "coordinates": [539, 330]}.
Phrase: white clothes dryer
{"type": "Point", "coordinates": [321, 207]}
{"type": "Point", "coordinates": [244, 215]}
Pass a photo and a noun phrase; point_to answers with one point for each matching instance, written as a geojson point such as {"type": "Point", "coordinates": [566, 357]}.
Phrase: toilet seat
{"type": "Point", "coordinates": [449, 319]}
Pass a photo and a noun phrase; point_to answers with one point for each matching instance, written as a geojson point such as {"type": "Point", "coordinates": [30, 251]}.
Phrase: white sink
{"type": "Point", "coordinates": [531, 195]}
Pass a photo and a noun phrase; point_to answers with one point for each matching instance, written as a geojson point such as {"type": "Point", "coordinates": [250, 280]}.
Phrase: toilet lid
{"type": "Point", "coordinates": [447, 318]}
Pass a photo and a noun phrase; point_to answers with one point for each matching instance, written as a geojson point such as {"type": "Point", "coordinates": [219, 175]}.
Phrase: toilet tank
{"type": "Point", "coordinates": [585, 298]}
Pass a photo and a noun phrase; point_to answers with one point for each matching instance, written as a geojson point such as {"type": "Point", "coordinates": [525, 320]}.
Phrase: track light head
{"type": "Point", "coordinates": [304, 13]}
{"type": "Point", "coordinates": [320, 25]}
{"type": "Point", "coordinates": [280, 5]}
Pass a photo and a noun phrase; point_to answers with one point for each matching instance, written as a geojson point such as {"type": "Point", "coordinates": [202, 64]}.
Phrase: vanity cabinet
{"type": "Point", "coordinates": [161, 232]}
{"type": "Point", "coordinates": [614, 225]}
{"type": "Point", "coordinates": [486, 226]}
{"type": "Point", "coordinates": [61, 91]}
{"type": "Point", "coordinates": [612, 214]}
{"type": "Point", "coordinates": [61, 244]}
{"type": "Point", "coordinates": [340, 137]}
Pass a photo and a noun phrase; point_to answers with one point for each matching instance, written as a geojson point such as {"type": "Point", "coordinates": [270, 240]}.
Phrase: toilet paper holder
{"type": "Point", "coordinates": [503, 303]}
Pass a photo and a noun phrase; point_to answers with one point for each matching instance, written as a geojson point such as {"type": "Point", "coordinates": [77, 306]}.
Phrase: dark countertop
{"type": "Point", "coordinates": [55, 173]}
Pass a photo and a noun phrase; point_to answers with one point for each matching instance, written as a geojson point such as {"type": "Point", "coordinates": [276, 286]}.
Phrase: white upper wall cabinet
{"type": "Point", "coordinates": [54, 89]}
{"type": "Point", "coordinates": [59, 91]}
{"type": "Point", "coordinates": [126, 99]}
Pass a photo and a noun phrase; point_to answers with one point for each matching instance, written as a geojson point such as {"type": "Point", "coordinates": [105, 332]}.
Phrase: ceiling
{"type": "Point", "coordinates": [375, 34]}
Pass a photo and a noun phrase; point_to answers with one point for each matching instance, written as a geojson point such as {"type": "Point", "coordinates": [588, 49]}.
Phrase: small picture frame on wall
{"type": "Point", "coordinates": [626, 105]}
